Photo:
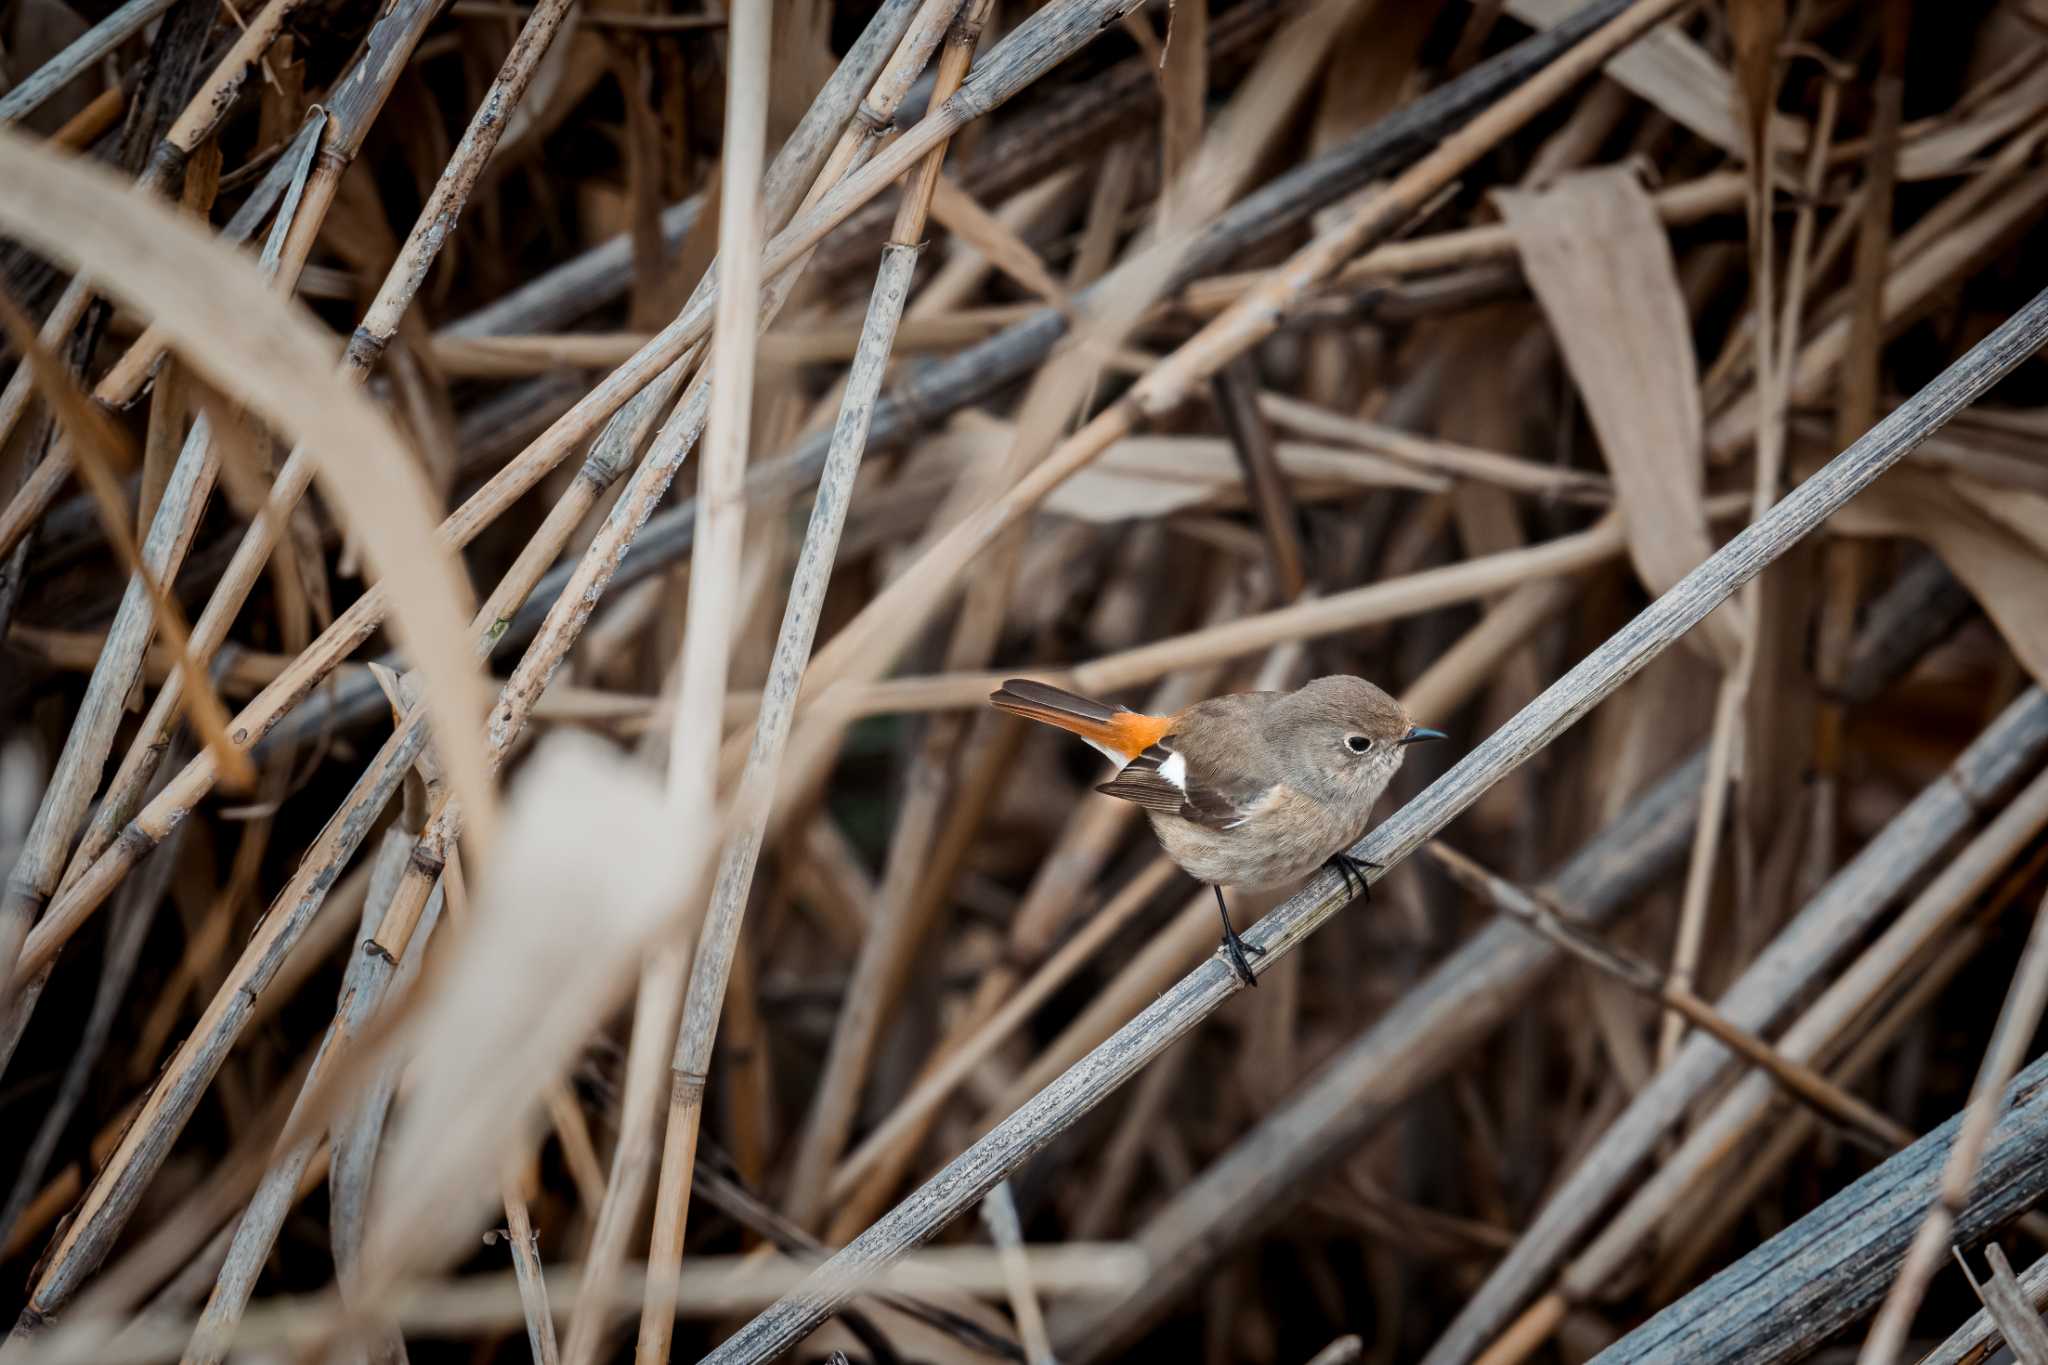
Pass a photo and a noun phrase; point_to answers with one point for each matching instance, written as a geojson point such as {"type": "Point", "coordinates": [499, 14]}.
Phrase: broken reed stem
{"type": "Point", "coordinates": [432, 227]}
{"type": "Point", "coordinates": [1782, 1300]}
{"type": "Point", "coordinates": [1005, 1229]}
{"type": "Point", "coordinates": [1800, 1081]}
{"type": "Point", "coordinates": [1003, 1004]}
{"type": "Point", "coordinates": [203, 114]}
{"type": "Point", "coordinates": [95, 43]}
{"type": "Point", "coordinates": [1385, 146]}
{"type": "Point", "coordinates": [1784, 972]}
{"type": "Point", "coordinates": [1975, 1340]}
{"type": "Point", "coordinates": [1199, 994]}
{"type": "Point", "coordinates": [90, 740]}
{"type": "Point", "coordinates": [712, 964]}
{"type": "Point", "coordinates": [721, 513]}
{"type": "Point", "coordinates": [2014, 1033]}
{"type": "Point", "coordinates": [1024, 54]}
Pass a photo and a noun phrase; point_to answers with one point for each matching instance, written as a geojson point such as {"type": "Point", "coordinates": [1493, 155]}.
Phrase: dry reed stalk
{"type": "Point", "coordinates": [999, 1212]}
{"type": "Point", "coordinates": [1800, 1081]}
{"type": "Point", "coordinates": [1803, 951]}
{"type": "Point", "coordinates": [874, 637]}
{"type": "Point", "coordinates": [1828, 1269]}
{"type": "Point", "coordinates": [96, 42]}
{"type": "Point", "coordinates": [1977, 1339]}
{"type": "Point", "coordinates": [1371, 604]}
{"type": "Point", "coordinates": [431, 229]}
{"type": "Point", "coordinates": [701, 673]}
{"type": "Point", "coordinates": [2017, 1020]}
{"type": "Point", "coordinates": [1199, 994]}
{"type": "Point", "coordinates": [712, 962]}
{"type": "Point", "coordinates": [1467, 997]}
{"type": "Point", "coordinates": [1008, 67]}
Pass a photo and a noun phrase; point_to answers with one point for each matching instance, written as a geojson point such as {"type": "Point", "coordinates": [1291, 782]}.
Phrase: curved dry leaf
{"type": "Point", "coordinates": [215, 307]}
{"type": "Point", "coordinates": [2003, 569]}
{"type": "Point", "coordinates": [1599, 262]}
{"type": "Point", "coordinates": [1675, 75]}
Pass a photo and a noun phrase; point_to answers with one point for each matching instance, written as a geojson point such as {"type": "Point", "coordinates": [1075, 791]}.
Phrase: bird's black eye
{"type": "Point", "coordinates": [1357, 744]}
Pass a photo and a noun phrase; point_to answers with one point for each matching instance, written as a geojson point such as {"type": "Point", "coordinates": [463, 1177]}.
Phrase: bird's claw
{"type": "Point", "coordinates": [1234, 951]}
{"type": "Point", "coordinates": [1353, 871]}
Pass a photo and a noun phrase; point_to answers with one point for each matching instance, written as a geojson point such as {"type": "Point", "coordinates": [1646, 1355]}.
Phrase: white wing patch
{"type": "Point", "coordinates": [1175, 770]}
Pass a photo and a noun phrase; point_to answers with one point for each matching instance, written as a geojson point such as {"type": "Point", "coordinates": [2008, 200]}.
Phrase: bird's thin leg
{"type": "Point", "coordinates": [1353, 871]}
{"type": "Point", "coordinates": [1234, 947]}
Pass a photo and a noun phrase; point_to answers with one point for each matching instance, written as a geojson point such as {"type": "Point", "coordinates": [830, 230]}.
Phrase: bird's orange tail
{"type": "Point", "coordinates": [1119, 733]}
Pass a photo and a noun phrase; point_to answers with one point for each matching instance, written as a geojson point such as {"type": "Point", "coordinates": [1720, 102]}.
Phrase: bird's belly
{"type": "Point", "coordinates": [1258, 853]}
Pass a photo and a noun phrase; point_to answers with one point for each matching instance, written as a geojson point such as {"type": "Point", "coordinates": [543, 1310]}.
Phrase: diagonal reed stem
{"type": "Point", "coordinates": [953, 1190]}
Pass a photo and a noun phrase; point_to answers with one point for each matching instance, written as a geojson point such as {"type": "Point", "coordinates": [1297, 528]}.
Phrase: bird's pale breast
{"type": "Point", "coordinates": [1283, 839]}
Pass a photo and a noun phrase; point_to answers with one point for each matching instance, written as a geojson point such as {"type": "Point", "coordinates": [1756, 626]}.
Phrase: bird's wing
{"type": "Point", "coordinates": [1164, 778]}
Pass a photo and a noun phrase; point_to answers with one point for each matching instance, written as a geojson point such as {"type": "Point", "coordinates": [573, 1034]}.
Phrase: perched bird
{"type": "Point", "coordinates": [1250, 790]}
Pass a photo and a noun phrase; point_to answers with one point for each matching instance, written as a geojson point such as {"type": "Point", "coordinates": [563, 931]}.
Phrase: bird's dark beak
{"type": "Point", "coordinates": [1417, 734]}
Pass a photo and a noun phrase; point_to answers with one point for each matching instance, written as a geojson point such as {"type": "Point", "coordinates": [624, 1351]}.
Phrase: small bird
{"type": "Point", "coordinates": [1249, 790]}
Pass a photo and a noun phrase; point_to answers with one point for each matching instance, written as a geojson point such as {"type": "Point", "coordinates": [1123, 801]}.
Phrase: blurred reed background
{"type": "Point", "coordinates": [545, 938]}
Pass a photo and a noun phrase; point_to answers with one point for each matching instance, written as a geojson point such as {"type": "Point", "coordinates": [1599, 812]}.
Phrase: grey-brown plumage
{"type": "Point", "coordinates": [1255, 789]}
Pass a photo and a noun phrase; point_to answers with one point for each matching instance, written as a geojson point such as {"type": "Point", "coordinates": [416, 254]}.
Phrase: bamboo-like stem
{"type": "Point", "coordinates": [431, 230]}
{"type": "Point", "coordinates": [533, 1289]}
{"type": "Point", "coordinates": [712, 964]}
{"type": "Point", "coordinates": [1199, 994]}
{"type": "Point", "coordinates": [1799, 1080]}
{"type": "Point", "coordinates": [1781, 1301]}
{"type": "Point", "coordinates": [700, 691]}
{"type": "Point", "coordinates": [944, 386]}
{"type": "Point", "coordinates": [91, 738]}
{"type": "Point", "coordinates": [202, 116]}
{"type": "Point", "coordinates": [999, 1212]}
{"type": "Point", "coordinates": [1839, 916]}
{"type": "Point", "coordinates": [2014, 1033]}
{"type": "Point", "coordinates": [95, 43]}
{"type": "Point", "coordinates": [1023, 55]}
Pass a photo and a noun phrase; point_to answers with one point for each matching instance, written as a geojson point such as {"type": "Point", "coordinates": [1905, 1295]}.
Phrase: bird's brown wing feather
{"type": "Point", "coordinates": [1213, 798]}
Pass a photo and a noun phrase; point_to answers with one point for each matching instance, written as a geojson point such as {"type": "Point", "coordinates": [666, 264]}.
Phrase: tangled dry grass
{"type": "Point", "coordinates": [509, 517]}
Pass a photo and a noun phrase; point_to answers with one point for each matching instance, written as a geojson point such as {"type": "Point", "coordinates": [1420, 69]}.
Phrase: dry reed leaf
{"type": "Point", "coordinates": [564, 910]}
{"type": "Point", "coordinates": [1183, 85]}
{"type": "Point", "coordinates": [103, 455]}
{"type": "Point", "coordinates": [218, 311]}
{"type": "Point", "coordinates": [1948, 148]}
{"type": "Point", "coordinates": [1599, 262]}
{"type": "Point", "coordinates": [1675, 75]}
{"type": "Point", "coordinates": [1756, 27]}
{"type": "Point", "coordinates": [1152, 476]}
{"type": "Point", "coordinates": [2002, 568]}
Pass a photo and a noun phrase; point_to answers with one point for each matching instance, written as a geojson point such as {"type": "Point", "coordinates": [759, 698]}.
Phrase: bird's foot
{"type": "Point", "coordinates": [1235, 950]}
{"type": "Point", "coordinates": [1353, 871]}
